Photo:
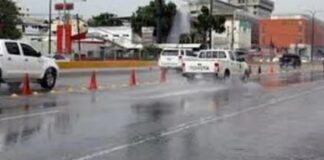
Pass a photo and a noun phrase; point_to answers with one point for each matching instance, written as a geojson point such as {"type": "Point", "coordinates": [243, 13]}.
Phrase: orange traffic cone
{"type": "Point", "coordinates": [26, 88]}
{"type": "Point", "coordinates": [163, 76]}
{"type": "Point", "coordinates": [132, 78]}
{"type": "Point", "coordinates": [93, 82]}
{"type": "Point", "coordinates": [271, 70]}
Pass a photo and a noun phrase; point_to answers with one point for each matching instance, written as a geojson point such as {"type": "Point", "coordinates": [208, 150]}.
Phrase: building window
{"type": "Point", "coordinates": [300, 29]}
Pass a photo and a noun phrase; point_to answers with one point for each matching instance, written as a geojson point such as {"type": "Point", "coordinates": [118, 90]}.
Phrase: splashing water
{"type": "Point", "coordinates": [181, 23]}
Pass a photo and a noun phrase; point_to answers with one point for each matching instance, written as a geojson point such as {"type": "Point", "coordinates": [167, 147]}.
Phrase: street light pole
{"type": "Point", "coordinates": [50, 28]}
{"type": "Point", "coordinates": [211, 30]}
{"type": "Point", "coordinates": [313, 37]}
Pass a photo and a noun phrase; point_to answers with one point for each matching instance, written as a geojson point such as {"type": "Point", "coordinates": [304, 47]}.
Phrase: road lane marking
{"type": "Point", "coordinates": [194, 124]}
{"type": "Point", "coordinates": [27, 116]}
{"type": "Point", "coordinates": [185, 92]}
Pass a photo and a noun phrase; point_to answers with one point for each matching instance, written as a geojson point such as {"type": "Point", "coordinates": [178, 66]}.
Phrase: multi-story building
{"type": "Point", "coordinates": [261, 8]}
{"type": "Point", "coordinates": [242, 31]}
{"type": "Point", "coordinates": [292, 33]}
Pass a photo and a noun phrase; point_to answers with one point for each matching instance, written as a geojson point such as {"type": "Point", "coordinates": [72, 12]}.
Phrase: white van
{"type": "Point", "coordinates": [18, 59]}
{"type": "Point", "coordinates": [173, 58]}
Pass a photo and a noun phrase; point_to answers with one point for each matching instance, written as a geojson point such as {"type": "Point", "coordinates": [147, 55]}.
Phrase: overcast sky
{"type": "Point", "coordinates": [127, 7]}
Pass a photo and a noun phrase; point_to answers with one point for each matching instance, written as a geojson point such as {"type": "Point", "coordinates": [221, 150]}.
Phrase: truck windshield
{"type": "Point", "coordinates": [170, 53]}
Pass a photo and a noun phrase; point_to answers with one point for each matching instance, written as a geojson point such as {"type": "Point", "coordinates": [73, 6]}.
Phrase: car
{"type": "Point", "coordinates": [18, 59]}
{"type": "Point", "coordinates": [61, 58]}
{"type": "Point", "coordinates": [173, 58]}
{"type": "Point", "coordinates": [217, 62]}
{"type": "Point", "coordinates": [290, 60]}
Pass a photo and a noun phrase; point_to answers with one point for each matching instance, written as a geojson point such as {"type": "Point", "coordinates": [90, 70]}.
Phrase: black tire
{"type": "Point", "coordinates": [227, 74]}
{"type": "Point", "coordinates": [49, 80]}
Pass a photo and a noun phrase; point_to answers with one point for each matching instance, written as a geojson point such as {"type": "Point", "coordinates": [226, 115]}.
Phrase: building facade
{"type": "Point", "coordinates": [235, 36]}
{"type": "Point", "coordinates": [292, 33]}
{"type": "Point", "coordinates": [261, 8]}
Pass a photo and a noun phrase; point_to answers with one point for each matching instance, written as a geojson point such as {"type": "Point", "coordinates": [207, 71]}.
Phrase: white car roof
{"type": "Point", "coordinates": [206, 50]}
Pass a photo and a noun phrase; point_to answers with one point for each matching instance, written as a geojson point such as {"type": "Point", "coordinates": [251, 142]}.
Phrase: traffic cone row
{"type": "Point", "coordinates": [93, 85]}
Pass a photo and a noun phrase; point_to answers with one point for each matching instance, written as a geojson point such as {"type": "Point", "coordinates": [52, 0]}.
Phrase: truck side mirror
{"type": "Point", "coordinates": [39, 54]}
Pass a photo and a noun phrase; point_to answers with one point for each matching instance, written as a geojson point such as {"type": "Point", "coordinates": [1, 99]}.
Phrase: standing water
{"type": "Point", "coordinates": [181, 22]}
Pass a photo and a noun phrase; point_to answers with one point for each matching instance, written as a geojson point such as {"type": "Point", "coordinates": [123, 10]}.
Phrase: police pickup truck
{"type": "Point", "coordinates": [220, 63]}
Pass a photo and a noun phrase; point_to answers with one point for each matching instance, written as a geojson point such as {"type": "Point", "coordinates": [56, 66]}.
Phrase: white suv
{"type": "Point", "coordinates": [173, 58]}
{"type": "Point", "coordinates": [18, 59]}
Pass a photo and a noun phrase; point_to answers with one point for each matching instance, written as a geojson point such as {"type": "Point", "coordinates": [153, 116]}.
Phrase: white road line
{"type": "Point", "coordinates": [27, 116]}
{"type": "Point", "coordinates": [185, 92]}
{"type": "Point", "coordinates": [193, 124]}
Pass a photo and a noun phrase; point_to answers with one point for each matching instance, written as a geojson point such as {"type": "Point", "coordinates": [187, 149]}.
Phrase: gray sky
{"type": "Point", "coordinates": [126, 7]}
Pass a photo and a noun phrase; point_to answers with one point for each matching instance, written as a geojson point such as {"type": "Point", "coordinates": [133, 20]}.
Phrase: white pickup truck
{"type": "Point", "coordinates": [18, 59]}
{"type": "Point", "coordinates": [218, 62]}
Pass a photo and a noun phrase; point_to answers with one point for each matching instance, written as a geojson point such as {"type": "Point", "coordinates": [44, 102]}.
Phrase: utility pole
{"type": "Point", "coordinates": [313, 37]}
{"type": "Point", "coordinates": [211, 30]}
{"type": "Point", "coordinates": [50, 28]}
{"type": "Point", "coordinates": [232, 28]}
{"type": "Point", "coordinates": [159, 4]}
{"type": "Point", "coordinates": [79, 42]}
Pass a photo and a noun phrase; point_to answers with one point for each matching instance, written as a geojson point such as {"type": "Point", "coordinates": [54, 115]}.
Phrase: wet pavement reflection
{"type": "Point", "coordinates": [70, 126]}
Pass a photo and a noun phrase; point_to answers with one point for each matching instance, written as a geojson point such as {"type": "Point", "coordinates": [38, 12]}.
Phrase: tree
{"type": "Point", "coordinates": [206, 22]}
{"type": "Point", "coordinates": [146, 16]}
{"type": "Point", "coordinates": [105, 19]}
{"type": "Point", "coordinates": [9, 18]}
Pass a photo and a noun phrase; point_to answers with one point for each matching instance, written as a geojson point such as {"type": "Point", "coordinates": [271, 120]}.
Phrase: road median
{"type": "Point", "coordinates": [105, 64]}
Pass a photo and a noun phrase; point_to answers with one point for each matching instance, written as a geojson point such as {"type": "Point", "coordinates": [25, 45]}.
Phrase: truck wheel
{"type": "Point", "coordinates": [49, 79]}
{"type": "Point", "coordinates": [227, 74]}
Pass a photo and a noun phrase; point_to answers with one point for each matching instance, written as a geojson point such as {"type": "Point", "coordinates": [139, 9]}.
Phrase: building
{"type": "Point", "coordinates": [242, 30]}
{"type": "Point", "coordinates": [261, 8]}
{"type": "Point", "coordinates": [24, 11]}
{"type": "Point", "coordinates": [111, 42]}
{"type": "Point", "coordinates": [292, 33]}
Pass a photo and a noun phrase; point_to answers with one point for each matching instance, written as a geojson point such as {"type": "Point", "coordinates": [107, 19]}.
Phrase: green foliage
{"type": "Point", "coordinates": [206, 22]}
{"type": "Point", "coordinates": [105, 19]}
{"type": "Point", "coordinates": [146, 16]}
{"type": "Point", "coordinates": [9, 18]}
{"type": "Point", "coordinates": [151, 52]}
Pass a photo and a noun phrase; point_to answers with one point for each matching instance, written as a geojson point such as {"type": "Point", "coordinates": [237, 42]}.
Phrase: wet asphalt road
{"type": "Point", "coordinates": [277, 117]}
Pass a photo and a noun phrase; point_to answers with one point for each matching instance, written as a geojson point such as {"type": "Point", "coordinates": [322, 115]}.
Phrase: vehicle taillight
{"type": "Point", "coordinates": [217, 67]}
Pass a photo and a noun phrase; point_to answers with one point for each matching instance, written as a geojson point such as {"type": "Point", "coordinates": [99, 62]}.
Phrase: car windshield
{"type": "Point", "coordinates": [170, 53]}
